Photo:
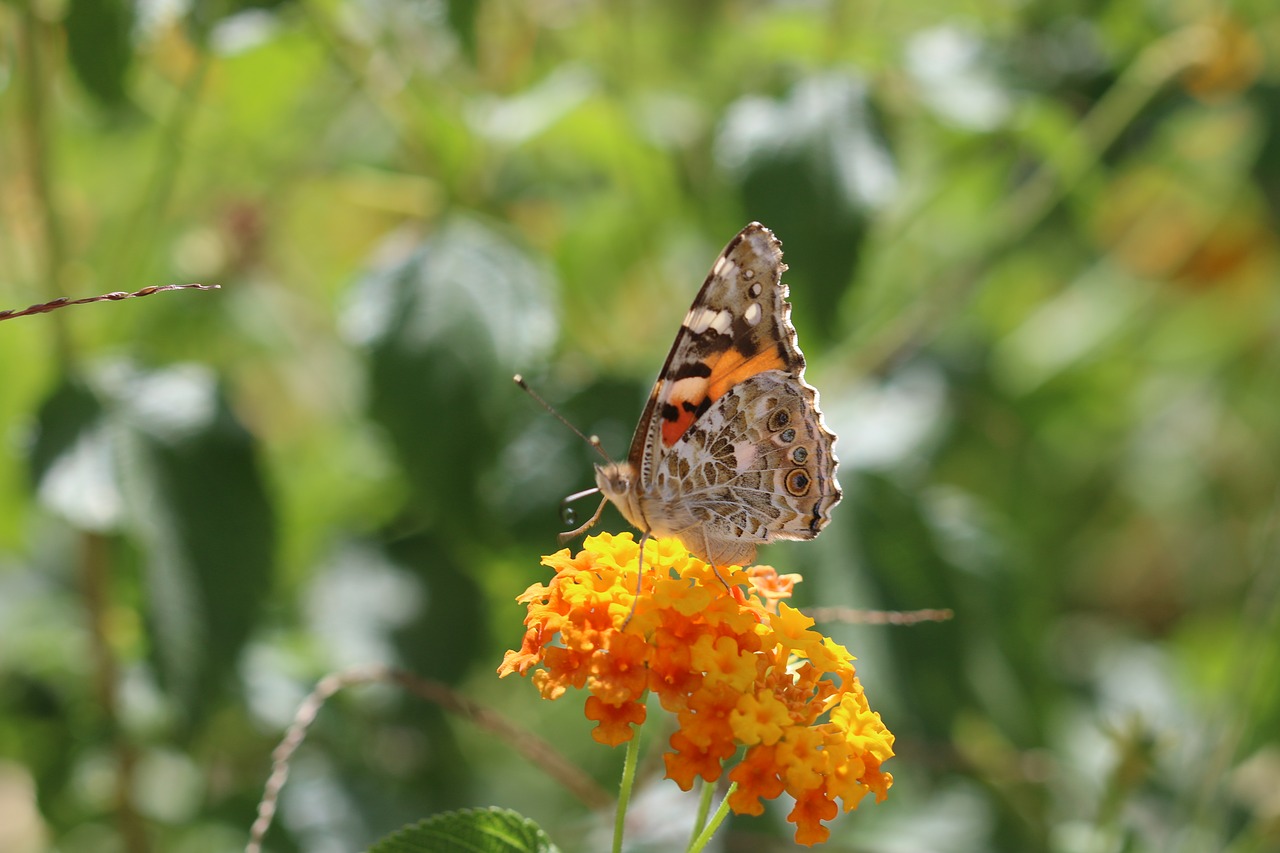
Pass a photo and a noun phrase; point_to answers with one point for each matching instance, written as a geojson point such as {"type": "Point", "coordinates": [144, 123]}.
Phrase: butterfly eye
{"type": "Point", "coordinates": [799, 455]}
{"type": "Point", "coordinates": [797, 482]}
{"type": "Point", "coordinates": [778, 420]}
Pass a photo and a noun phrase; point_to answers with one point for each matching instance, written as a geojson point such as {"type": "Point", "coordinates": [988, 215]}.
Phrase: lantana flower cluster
{"type": "Point", "coordinates": [739, 670]}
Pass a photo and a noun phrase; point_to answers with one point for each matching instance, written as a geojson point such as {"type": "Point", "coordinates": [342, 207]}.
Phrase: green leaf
{"type": "Point", "coordinates": [207, 14]}
{"type": "Point", "coordinates": [63, 417]}
{"type": "Point", "coordinates": [99, 47]}
{"type": "Point", "coordinates": [461, 15]}
{"type": "Point", "coordinates": [455, 613]}
{"type": "Point", "coordinates": [470, 831]}
{"type": "Point", "coordinates": [910, 572]}
{"type": "Point", "coordinates": [160, 458]}
{"type": "Point", "coordinates": [71, 459]}
{"type": "Point", "coordinates": [197, 506]}
{"type": "Point", "coordinates": [446, 328]}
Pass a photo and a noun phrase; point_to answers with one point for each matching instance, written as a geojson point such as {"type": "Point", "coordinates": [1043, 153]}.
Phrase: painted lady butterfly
{"type": "Point", "coordinates": [731, 451]}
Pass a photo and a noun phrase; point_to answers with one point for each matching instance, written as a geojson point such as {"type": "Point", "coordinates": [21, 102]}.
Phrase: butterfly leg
{"type": "Point", "coordinates": [706, 549]}
{"type": "Point", "coordinates": [644, 537]}
{"type": "Point", "coordinates": [578, 531]}
{"type": "Point", "coordinates": [719, 577]}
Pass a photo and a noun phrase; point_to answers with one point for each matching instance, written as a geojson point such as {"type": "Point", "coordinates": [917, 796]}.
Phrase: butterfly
{"type": "Point", "coordinates": [731, 451]}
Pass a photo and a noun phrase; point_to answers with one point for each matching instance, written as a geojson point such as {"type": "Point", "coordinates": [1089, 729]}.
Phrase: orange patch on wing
{"type": "Point", "coordinates": [727, 370]}
{"type": "Point", "coordinates": [672, 430]}
{"type": "Point", "coordinates": [732, 368]}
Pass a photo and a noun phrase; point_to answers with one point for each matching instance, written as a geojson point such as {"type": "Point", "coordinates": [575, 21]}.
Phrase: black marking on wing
{"type": "Point", "coordinates": [744, 341]}
{"type": "Point", "coordinates": [790, 355]}
{"type": "Point", "coordinates": [698, 409]}
{"type": "Point", "coordinates": [691, 370]}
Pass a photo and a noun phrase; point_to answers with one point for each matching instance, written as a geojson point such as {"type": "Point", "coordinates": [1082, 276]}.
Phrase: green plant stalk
{"type": "Point", "coordinates": [704, 806]}
{"type": "Point", "coordinates": [95, 564]}
{"type": "Point", "coordinates": [137, 239]}
{"type": "Point", "coordinates": [629, 765]}
{"type": "Point", "coordinates": [716, 819]}
{"type": "Point", "coordinates": [36, 140]}
{"type": "Point", "coordinates": [1238, 706]}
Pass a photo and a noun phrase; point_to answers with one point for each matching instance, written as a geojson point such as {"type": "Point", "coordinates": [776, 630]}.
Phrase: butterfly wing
{"type": "Point", "coordinates": [715, 453]}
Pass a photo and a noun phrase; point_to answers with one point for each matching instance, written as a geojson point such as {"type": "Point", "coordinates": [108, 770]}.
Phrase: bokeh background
{"type": "Point", "coordinates": [1034, 268]}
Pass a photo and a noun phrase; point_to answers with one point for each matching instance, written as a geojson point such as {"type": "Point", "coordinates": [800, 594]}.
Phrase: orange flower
{"type": "Point", "coordinates": [757, 778]}
{"type": "Point", "coordinates": [614, 720]}
{"type": "Point", "coordinates": [735, 668]}
{"type": "Point", "coordinates": [811, 809]}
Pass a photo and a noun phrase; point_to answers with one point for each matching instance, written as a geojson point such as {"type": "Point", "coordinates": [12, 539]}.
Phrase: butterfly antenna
{"type": "Point", "coordinates": [594, 440]}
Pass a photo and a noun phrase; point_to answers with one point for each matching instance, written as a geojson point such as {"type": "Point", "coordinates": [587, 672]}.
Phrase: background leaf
{"type": "Point", "coordinates": [208, 562]}
{"type": "Point", "coordinates": [484, 831]}
{"type": "Point", "coordinates": [446, 326]}
{"type": "Point", "coordinates": [99, 47]}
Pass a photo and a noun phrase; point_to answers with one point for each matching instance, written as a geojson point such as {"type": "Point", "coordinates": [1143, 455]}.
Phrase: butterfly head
{"type": "Point", "coordinates": [617, 482]}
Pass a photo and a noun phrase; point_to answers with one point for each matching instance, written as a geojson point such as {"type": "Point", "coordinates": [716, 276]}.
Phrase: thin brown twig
{"type": "Point", "coordinates": [851, 616]}
{"type": "Point", "coordinates": [538, 751]}
{"type": "Point", "coordinates": [64, 301]}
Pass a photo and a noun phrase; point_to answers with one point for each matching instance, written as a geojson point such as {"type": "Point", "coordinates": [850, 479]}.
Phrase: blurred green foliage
{"type": "Point", "coordinates": [1034, 267]}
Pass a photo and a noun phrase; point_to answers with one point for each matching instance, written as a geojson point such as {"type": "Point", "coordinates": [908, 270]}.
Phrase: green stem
{"type": "Point", "coordinates": [704, 807]}
{"type": "Point", "coordinates": [629, 765]}
{"type": "Point", "coordinates": [38, 148]}
{"type": "Point", "coordinates": [137, 239]}
{"type": "Point", "coordinates": [716, 819]}
{"type": "Point", "coordinates": [95, 560]}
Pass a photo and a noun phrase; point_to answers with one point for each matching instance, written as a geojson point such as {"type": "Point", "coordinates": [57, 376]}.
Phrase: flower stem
{"type": "Point", "coordinates": [704, 806]}
{"type": "Point", "coordinates": [624, 790]}
{"type": "Point", "coordinates": [716, 819]}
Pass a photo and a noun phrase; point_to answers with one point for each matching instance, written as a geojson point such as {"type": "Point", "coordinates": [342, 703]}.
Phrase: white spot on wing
{"type": "Point", "coordinates": [744, 454]}
{"type": "Point", "coordinates": [723, 322]}
{"type": "Point", "coordinates": [689, 388]}
{"type": "Point", "coordinates": [756, 289]}
{"type": "Point", "coordinates": [698, 319]}
{"type": "Point", "coordinates": [701, 319]}
{"type": "Point", "coordinates": [753, 314]}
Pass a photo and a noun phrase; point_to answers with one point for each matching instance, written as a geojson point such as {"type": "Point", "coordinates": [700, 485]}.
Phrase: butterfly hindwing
{"type": "Point", "coordinates": [757, 467]}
